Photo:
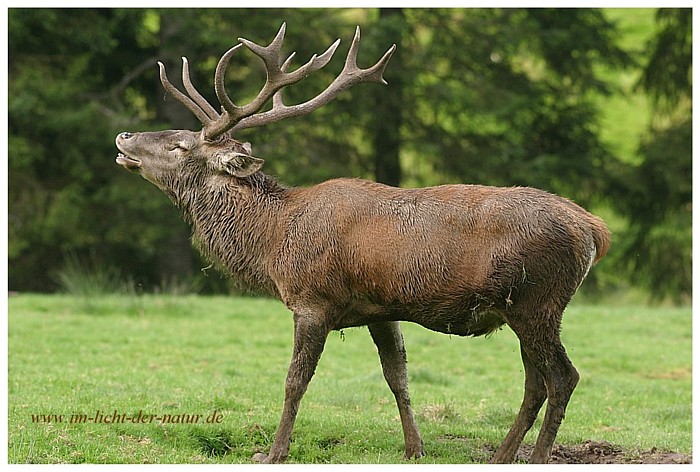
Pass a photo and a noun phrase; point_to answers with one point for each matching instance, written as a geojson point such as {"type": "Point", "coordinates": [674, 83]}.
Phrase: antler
{"type": "Point", "coordinates": [236, 118]}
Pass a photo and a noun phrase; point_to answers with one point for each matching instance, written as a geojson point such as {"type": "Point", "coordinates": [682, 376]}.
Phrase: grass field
{"type": "Point", "coordinates": [85, 378]}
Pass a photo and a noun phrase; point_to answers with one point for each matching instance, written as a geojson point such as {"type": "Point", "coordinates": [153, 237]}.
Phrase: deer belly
{"type": "Point", "coordinates": [476, 320]}
{"type": "Point", "coordinates": [469, 323]}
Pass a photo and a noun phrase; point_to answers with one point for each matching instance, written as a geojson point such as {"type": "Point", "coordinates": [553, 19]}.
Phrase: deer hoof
{"type": "Point", "coordinates": [414, 453]}
{"type": "Point", "coordinates": [260, 457]}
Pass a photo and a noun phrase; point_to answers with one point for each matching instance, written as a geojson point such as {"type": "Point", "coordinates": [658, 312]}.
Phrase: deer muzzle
{"type": "Point", "coordinates": [129, 163]}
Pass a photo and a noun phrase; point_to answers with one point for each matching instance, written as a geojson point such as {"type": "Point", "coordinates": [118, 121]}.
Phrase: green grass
{"type": "Point", "coordinates": [195, 355]}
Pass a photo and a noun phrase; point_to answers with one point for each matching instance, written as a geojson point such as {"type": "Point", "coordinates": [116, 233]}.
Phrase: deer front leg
{"type": "Point", "coordinates": [389, 341]}
{"type": "Point", "coordinates": [309, 339]}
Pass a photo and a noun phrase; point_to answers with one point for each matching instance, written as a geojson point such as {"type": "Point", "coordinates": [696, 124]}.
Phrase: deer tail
{"type": "Point", "coordinates": [601, 237]}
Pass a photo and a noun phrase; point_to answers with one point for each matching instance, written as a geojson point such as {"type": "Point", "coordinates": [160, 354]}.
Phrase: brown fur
{"type": "Point", "coordinates": [458, 259]}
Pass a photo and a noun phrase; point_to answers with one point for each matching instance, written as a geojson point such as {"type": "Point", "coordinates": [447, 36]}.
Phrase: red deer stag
{"type": "Point", "coordinates": [458, 259]}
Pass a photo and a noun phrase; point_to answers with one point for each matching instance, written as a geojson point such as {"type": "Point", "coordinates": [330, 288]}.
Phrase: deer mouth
{"type": "Point", "coordinates": [127, 162]}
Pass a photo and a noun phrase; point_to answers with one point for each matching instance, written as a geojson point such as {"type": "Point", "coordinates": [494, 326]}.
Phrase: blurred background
{"type": "Point", "coordinates": [592, 104]}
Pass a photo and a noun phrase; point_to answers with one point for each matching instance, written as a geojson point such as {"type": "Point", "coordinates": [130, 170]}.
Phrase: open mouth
{"type": "Point", "coordinates": [128, 162]}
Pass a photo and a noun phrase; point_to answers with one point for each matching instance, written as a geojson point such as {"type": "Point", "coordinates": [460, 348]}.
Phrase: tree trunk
{"type": "Point", "coordinates": [386, 128]}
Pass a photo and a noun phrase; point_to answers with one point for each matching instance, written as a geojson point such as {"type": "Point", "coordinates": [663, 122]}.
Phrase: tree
{"type": "Point", "coordinates": [386, 120]}
{"type": "Point", "coordinates": [510, 103]}
{"type": "Point", "coordinates": [656, 194]}
{"type": "Point", "coordinates": [59, 140]}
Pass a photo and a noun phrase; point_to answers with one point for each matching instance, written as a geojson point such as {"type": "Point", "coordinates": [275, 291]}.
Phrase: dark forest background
{"type": "Point", "coordinates": [592, 104]}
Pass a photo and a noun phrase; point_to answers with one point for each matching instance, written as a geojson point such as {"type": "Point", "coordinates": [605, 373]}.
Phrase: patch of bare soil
{"type": "Point", "coordinates": [596, 452]}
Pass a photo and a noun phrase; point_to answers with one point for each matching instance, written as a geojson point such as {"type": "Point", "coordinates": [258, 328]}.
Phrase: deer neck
{"type": "Point", "coordinates": [235, 225]}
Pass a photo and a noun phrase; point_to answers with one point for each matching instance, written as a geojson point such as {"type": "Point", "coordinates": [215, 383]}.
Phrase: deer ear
{"type": "Point", "coordinates": [239, 164]}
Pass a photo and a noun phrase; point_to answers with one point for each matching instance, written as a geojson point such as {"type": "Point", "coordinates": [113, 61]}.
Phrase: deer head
{"type": "Point", "coordinates": [161, 157]}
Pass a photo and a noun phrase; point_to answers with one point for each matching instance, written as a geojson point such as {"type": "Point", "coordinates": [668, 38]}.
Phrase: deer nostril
{"type": "Point", "coordinates": [125, 135]}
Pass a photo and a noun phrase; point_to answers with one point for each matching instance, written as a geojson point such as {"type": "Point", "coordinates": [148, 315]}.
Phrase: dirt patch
{"type": "Point", "coordinates": [596, 452]}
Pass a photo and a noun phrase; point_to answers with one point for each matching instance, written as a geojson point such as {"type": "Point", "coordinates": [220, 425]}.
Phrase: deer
{"type": "Point", "coordinates": [459, 259]}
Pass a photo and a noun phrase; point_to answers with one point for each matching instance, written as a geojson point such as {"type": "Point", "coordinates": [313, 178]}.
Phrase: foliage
{"type": "Point", "coordinates": [667, 76]}
{"type": "Point", "coordinates": [656, 195]}
{"type": "Point", "coordinates": [194, 355]}
{"type": "Point", "coordinates": [492, 96]}
{"type": "Point", "coordinates": [513, 108]}
{"type": "Point", "coordinates": [658, 200]}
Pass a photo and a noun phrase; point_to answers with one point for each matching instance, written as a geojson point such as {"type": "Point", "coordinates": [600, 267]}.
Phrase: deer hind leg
{"type": "Point", "coordinates": [389, 341]}
{"type": "Point", "coordinates": [309, 340]}
{"type": "Point", "coordinates": [561, 378]}
{"type": "Point", "coordinates": [535, 395]}
{"type": "Point", "coordinates": [546, 362]}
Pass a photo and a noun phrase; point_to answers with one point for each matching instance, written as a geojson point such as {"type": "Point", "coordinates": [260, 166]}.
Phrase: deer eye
{"type": "Point", "coordinates": [180, 147]}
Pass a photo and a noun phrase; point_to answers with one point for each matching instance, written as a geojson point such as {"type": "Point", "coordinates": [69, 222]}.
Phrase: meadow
{"type": "Point", "coordinates": [191, 379]}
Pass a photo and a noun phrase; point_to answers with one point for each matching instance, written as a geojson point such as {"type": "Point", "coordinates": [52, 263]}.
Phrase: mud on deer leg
{"type": "Point", "coordinates": [309, 339]}
{"type": "Point", "coordinates": [561, 378]}
{"type": "Point", "coordinates": [534, 397]}
{"type": "Point", "coordinates": [389, 341]}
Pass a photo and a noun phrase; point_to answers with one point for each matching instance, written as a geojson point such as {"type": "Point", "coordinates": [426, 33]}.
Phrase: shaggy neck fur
{"type": "Point", "coordinates": [236, 225]}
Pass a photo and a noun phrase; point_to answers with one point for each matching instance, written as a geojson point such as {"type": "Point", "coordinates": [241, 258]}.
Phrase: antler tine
{"type": "Point", "coordinates": [194, 94]}
{"type": "Point", "coordinates": [349, 76]}
{"type": "Point", "coordinates": [286, 63]}
{"type": "Point", "coordinates": [317, 62]}
{"type": "Point", "coordinates": [182, 98]}
{"type": "Point", "coordinates": [271, 56]}
{"type": "Point", "coordinates": [219, 76]}
{"type": "Point", "coordinates": [270, 53]}
{"type": "Point", "coordinates": [277, 97]}
{"type": "Point", "coordinates": [372, 74]}
{"type": "Point", "coordinates": [277, 75]}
